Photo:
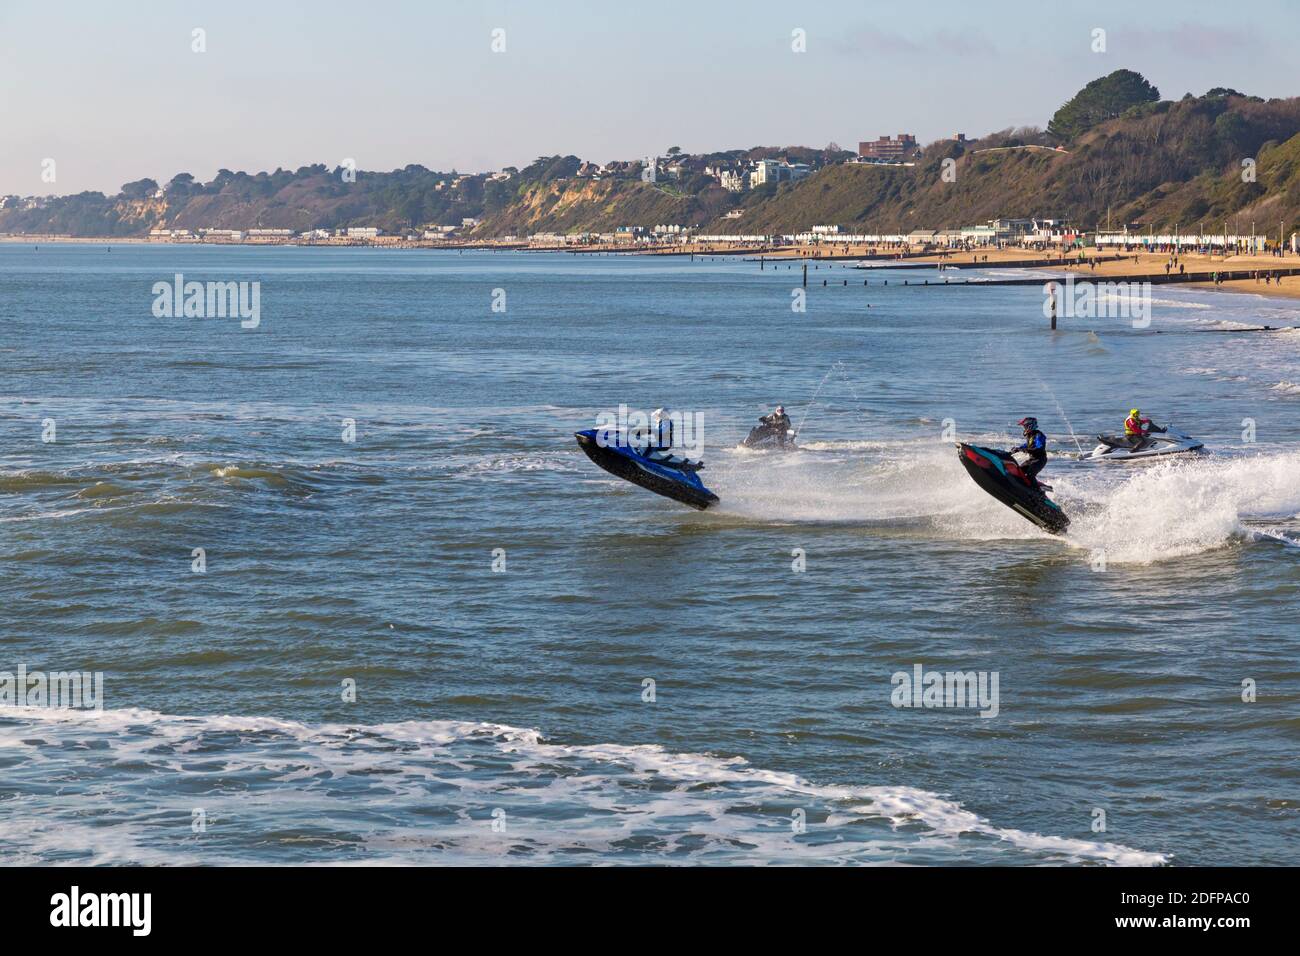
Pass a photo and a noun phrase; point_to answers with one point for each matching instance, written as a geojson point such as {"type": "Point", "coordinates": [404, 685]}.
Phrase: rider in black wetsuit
{"type": "Point", "coordinates": [1035, 446]}
{"type": "Point", "coordinates": [778, 423]}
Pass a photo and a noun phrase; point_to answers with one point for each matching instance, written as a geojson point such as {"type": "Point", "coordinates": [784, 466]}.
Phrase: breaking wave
{"type": "Point", "coordinates": [453, 792]}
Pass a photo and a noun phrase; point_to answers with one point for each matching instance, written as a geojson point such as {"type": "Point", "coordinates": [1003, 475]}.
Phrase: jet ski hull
{"type": "Point", "coordinates": [1158, 445]}
{"type": "Point", "coordinates": [765, 438]}
{"type": "Point", "coordinates": [1001, 478]}
{"type": "Point", "coordinates": [629, 464]}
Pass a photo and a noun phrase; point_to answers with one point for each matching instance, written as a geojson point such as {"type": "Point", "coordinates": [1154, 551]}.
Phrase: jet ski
{"type": "Point", "coordinates": [764, 435]}
{"type": "Point", "coordinates": [1156, 443]}
{"type": "Point", "coordinates": [999, 474]}
{"type": "Point", "coordinates": [665, 474]}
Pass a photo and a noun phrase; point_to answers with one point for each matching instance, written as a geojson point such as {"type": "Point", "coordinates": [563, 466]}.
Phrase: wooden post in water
{"type": "Point", "coordinates": [1051, 286]}
{"type": "Point", "coordinates": [805, 275]}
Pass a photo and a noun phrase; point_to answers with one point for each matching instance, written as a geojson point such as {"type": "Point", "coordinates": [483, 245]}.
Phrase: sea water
{"type": "Point", "coordinates": [356, 596]}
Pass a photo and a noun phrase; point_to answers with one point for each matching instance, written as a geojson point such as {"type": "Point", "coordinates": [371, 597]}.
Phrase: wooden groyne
{"type": "Point", "coordinates": [851, 257]}
{"type": "Point", "coordinates": [999, 264]}
{"type": "Point", "coordinates": [1154, 278]}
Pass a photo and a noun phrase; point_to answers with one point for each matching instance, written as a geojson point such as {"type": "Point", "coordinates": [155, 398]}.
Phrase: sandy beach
{"type": "Point", "coordinates": [1202, 265]}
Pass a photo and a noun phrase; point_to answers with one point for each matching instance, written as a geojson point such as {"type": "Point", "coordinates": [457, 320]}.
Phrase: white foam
{"type": "Point", "coordinates": [1139, 513]}
{"type": "Point", "coordinates": [425, 790]}
{"type": "Point", "coordinates": [1188, 505]}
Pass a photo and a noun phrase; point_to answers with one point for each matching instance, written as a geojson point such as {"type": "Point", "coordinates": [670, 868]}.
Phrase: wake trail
{"type": "Point", "coordinates": [1142, 514]}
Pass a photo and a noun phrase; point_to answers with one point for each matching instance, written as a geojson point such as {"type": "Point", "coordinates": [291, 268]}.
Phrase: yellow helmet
{"type": "Point", "coordinates": [1134, 412]}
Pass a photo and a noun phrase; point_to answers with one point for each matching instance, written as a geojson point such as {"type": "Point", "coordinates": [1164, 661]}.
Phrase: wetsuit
{"type": "Point", "coordinates": [1035, 447]}
{"type": "Point", "coordinates": [1136, 431]}
{"type": "Point", "coordinates": [661, 437]}
{"type": "Point", "coordinates": [779, 425]}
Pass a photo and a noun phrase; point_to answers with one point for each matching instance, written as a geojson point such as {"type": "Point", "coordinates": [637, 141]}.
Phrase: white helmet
{"type": "Point", "coordinates": [780, 409]}
{"type": "Point", "coordinates": [658, 415]}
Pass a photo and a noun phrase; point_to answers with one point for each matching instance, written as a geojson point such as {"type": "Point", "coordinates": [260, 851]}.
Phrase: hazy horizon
{"type": "Point", "coordinates": [117, 94]}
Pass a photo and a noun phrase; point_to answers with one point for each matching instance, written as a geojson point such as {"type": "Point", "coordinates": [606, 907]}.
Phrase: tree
{"type": "Point", "coordinates": [182, 186]}
{"type": "Point", "coordinates": [1102, 99]}
{"type": "Point", "coordinates": [140, 189]}
{"type": "Point", "coordinates": [674, 150]}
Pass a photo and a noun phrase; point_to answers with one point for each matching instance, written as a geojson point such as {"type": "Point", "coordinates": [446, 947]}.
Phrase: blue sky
{"type": "Point", "coordinates": [113, 91]}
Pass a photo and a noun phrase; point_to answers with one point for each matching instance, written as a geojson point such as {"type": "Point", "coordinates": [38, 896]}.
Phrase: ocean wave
{"type": "Point", "coordinates": [1146, 513]}
{"type": "Point", "coordinates": [28, 481]}
{"type": "Point", "coordinates": [1180, 304]}
{"type": "Point", "coordinates": [564, 462]}
{"type": "Point", "coordinates": [274, 790]}
{"type": "Point", "coordinates": [1183, 506]}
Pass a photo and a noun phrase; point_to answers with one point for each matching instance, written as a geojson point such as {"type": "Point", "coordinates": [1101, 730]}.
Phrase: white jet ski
{"type": "Point", "coordinates": [1157, 444]}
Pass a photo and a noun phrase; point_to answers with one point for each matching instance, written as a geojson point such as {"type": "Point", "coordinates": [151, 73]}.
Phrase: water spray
{"type": "Point", "coordinates": [1065, 417]}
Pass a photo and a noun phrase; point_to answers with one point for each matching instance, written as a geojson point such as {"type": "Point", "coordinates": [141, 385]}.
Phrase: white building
{"type": "Point", "coordinates": [765, 171]}
{"type": "Point", "coordinates": [979, 235]}
{"type": "Point", "coordinates": [771, 171]}
{"type": "Point", "coordinates": [736, 182]}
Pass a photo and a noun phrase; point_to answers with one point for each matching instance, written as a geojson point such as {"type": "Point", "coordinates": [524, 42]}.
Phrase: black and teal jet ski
{"type": "Point", "coordinates": [659, 471]}
{"type": "Point", "coordinates": [999, 474]}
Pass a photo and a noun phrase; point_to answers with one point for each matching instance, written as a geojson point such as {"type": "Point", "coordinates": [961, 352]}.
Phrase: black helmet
{"type": "Point", "coordinates": [1029, 423]}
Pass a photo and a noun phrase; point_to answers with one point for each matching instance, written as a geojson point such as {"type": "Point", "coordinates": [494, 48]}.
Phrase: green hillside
{"type": "Point", "coordinates": [1112, 153]}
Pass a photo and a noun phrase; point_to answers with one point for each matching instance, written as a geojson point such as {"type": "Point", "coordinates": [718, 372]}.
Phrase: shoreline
{"type": "Point", "coordinates": [1098, 264]}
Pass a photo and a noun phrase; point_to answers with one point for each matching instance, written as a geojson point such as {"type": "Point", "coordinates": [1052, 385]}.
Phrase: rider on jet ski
{"type": "Point", "coordinates": [1136, 428]}
{"type": "Point", "coordinates": [662, 440]}
{"type": "Point", "coordinates": [1035, 447]}
{"type": "Point", "coordinates": [661, 431]}
{"type": "Point", "coordinates": [778, 423]}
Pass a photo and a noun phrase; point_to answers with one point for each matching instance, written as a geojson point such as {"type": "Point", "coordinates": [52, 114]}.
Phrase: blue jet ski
{"type": "Point", "coordinates": [669, 475]}
{"type": "Point", "coordinates": [998, 473]}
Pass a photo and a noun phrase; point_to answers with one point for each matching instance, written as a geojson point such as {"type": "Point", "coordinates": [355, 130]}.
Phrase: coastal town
{"type": "Point", "coordinates": [1007, 199]}
{"type": "Point", "coordinates": [735, 175]}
